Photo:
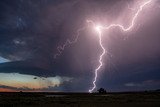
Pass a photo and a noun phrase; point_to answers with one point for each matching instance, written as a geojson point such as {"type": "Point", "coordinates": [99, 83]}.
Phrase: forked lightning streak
{"type": "Point", "coordinates": [99, 29]}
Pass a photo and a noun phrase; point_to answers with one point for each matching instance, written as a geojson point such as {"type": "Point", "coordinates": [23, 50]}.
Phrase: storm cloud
{"type": "Point", "coordinates": [30, 32]}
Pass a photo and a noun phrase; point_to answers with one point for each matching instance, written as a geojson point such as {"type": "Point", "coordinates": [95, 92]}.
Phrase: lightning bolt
{"type": "Point", "coordinates": [68, 42]}
{"type": "Point", "coordinates": [99, 30]}
{"type": "Point", "coordinates": [123, 28]}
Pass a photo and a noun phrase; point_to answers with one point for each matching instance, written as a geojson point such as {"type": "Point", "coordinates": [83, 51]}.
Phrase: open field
{"type": "Point", "coordinates": [39, 99]}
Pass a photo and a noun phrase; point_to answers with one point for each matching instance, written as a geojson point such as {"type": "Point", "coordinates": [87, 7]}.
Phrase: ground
{"type": "Point", "coordinates": [39, 99]}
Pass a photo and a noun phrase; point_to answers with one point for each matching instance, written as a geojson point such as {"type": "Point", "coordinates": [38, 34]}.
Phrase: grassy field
{"type": "Point", "coordinates": [135, 99]}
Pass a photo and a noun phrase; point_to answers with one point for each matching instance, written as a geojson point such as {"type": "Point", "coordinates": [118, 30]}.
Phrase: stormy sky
{"type": "Point", "coordinates": [31, 31]}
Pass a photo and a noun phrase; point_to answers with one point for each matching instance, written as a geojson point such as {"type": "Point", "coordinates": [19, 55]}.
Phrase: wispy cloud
{"type": "Point", "coordinates": [16, 81]}
{"type": "Point", "coordinates": [143, 83]}
{"type": "Point", "coordinates": [3, 60]}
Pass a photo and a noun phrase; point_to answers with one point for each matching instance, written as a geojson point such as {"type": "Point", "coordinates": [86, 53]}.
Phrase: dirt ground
{"type": "Point", "coordinates": [23, 99]}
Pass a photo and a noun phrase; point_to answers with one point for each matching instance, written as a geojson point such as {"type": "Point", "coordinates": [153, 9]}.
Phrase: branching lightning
{"type": "Point", "coordinates": [99, 30]}
{"type": "Point", "coordinates": [68, 42]}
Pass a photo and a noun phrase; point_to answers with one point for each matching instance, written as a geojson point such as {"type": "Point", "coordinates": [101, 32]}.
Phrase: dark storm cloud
{"type": "Point", "coordinates": [24, 67]}
{"type": "Point", "coordinates": [116, 81]}
{"type": "Point", "coordinates": [37, 26]}
{"type": "Point", "coordinates": [31, 30]}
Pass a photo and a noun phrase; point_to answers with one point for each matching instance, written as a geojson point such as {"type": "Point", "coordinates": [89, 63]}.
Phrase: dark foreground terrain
{"type": "Point", "coordinates": [135, 99]}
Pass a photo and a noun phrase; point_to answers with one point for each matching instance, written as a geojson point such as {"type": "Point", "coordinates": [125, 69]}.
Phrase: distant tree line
{"type": "Point", "coordinates": [102, 91]}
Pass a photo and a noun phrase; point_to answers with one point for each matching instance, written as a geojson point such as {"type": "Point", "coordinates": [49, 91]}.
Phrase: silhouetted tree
{"type": "Point", "coordinates": [102, 91]}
